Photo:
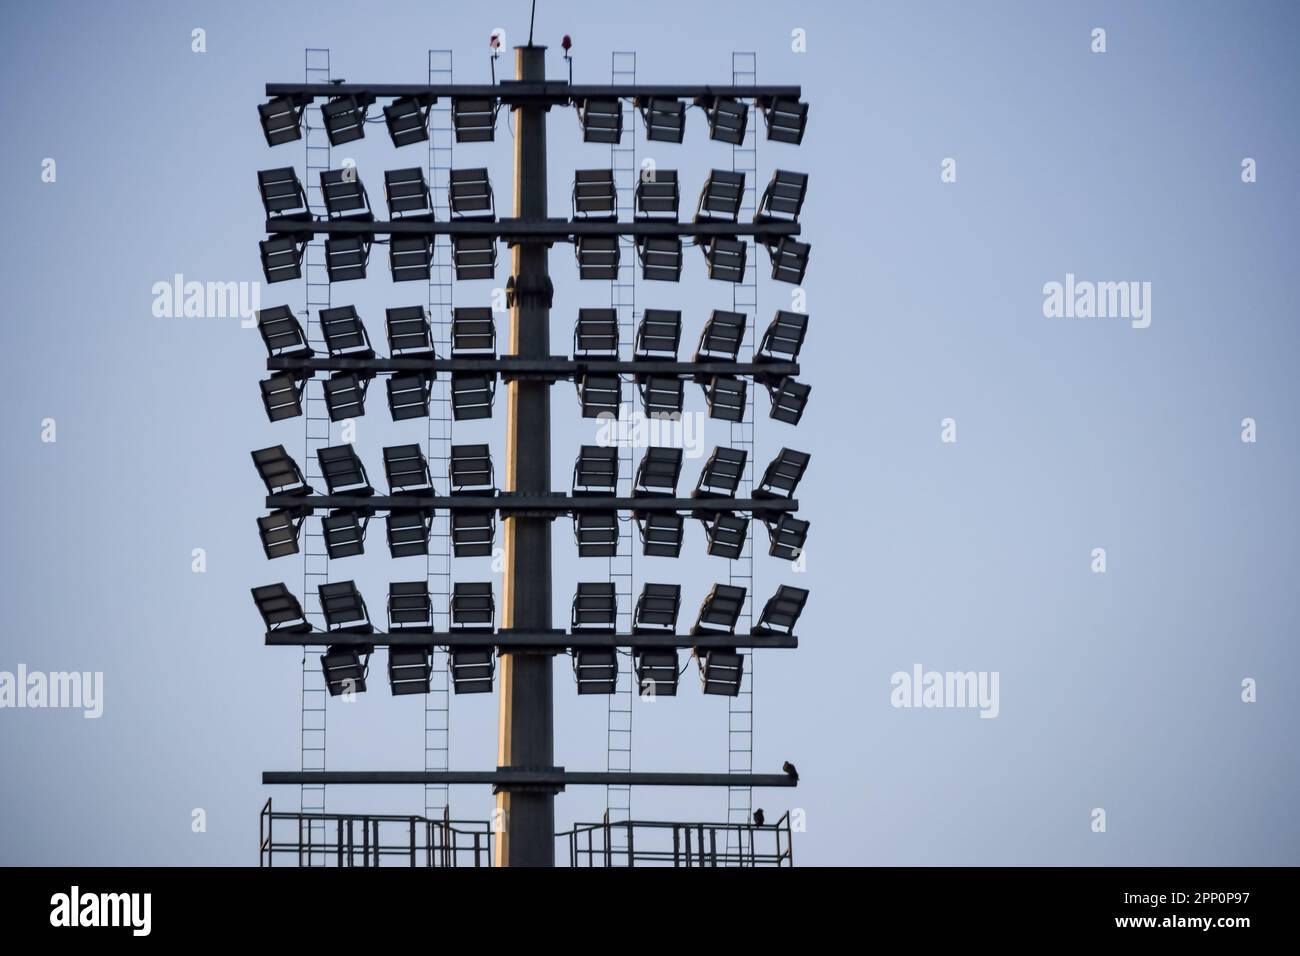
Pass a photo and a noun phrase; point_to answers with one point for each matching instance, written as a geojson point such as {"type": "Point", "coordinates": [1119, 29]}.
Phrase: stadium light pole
{"type": "Point", "coordinates": [525, 819]}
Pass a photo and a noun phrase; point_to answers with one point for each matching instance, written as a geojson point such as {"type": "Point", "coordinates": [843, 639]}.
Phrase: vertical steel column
{"type": "Point", "coordinates": [526, 727]}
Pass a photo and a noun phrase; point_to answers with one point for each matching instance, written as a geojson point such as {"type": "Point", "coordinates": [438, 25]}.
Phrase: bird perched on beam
{"type": "Point", "coordinates": [790, 772]}
{"type": "Point", "coordinates": [758, 817]}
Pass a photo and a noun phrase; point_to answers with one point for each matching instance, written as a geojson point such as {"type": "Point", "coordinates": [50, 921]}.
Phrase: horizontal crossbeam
{"type": "Point", "coordinates": [509, 778]}
{"type": "Point", "coordinates": [509, 230]}
{"type": "Point", "coordinates": [542, 640]}
{"type": "Point", "coordinates": [515, 91]}
{"type": "Point", "coordinates": [509, 503]}
{"type": "Point", "coordinates": [510, 366]}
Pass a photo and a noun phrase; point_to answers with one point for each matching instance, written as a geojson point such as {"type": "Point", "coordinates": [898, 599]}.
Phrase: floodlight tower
{"type": "Point", "coordinates": [526, 729]}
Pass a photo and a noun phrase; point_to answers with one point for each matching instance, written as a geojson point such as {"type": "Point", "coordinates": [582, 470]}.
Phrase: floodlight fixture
{"type": "Point", "coordinates": [344, 532]}
{"type": "Point", "coordinates": [282, 396]}
{"type": "Point", "coordinates": [600, 395]}
{"type": "Point", "coordinates": [783, 198]}
{"type": "Point", "coordinates": [409, 332]}
{"type": "Point", "coordinates": [473, 333]}
{"type": "Point", "coordinates": [782, 610]}
{"type": "Point", "coordinates": [279, 472]}
{"type": "Point", "coordinates": [726, 258]}
{"type": "Point", "coordinates": [662, 396]}
{"type": "Point", "coordinates": [596, 333]}
{"type": "Point", "coordinates": [726, 532]}
{"type": "Point", "coordinates": [661, 258]}
{"type": "Point", "coordinates": [594, 194]}
{"type": "Point", "coordinates": [659, 334]}
{"type": "Point", "coordinates": [789, 398]}
{"type": "Point", "coordinates": [722, 473]}
{"type": "Point", "coordinates": [721, 672]}
{"type": "Point", "coordinates": [410, 258]}
{"type": "Point", "coordinates": [408, 396]}
{"type": "Point", "coordinates": [726, 397]}
{"type": "Point", "coordinates": [658, 195]}
{"type": "Point", "coordinates": [343, 471]}
{"type": "Point", "coordinates": [471, 470]}
{"type": "Point", "coordinates": [782, 475]}
{"type": "Point", "coordinates": [472, 610]}
{"type": "Point", "coordinates": [346, 668]}
{"type": "Point", "coordinates": [346, 257]}
{"type": "Point", "coordinates": [343, 608]}
{"type": "Point", "coordinates": [408, 533]}
{"type": "Point", "coordinates": [345, 195]}
{"type": "Point", "coordinates": [656, 609]}
{"type": "Point", "coordinates": [602, 120]}
{"type": "Point", "coordinates": [472, 395]}
{"type": "Point", "coordinates": [344, 333]}
{"type": "Point", "coordinates": [596, 533]}
{"type": "Point", "coordinates": [473, 119]}
{"type": "Point", "coordinates": [789, 259]}
{"type": "Point", "coordinates": [345, 118]}
{"type": "Point", "coordinates": [475, 257]}
{"type": "Point", "coordinates": [409, 606]}
{"type": "Point", "coordinates": [408, 195]}
{"type": "Point", "coordinates": [721, 337]}
{"type": "Point", "coordinates": [598, 257]}
{"type": "Point", "coordinates": [786, 536]}
{"type": "Point", "coordinates": [407, 471]}
{"type": "Point", "coordinates": [596, 471]}
{"type": "Point", "coordinates": [279, 533]}
{"type": "Point", "coordinates": [281, 257]}
{"type": "Point", "coordinates": [280, 610]}
{"type": "Point", "coordinates": [409, 670]}
{"type": "Point", "coordinates": [786, 120]}
{"type": "Point", "coordinates": [658, 472]}
{"type": "Point", "coordinates": [281, 119]}
{"type": "Point", "coordinates": [721, 197]}
{"type": "Point", "coordinates": [728, 119]}
{"type": "Point", "coordinates": [665, 119]}
{"type": "Point", "coordinates": [408, 120]}
{"type": "Point", "coordinates": [469, 194]}
{"type": "Point", "coordinates": [282, 194]}
{"type": "Point", "coordinates": [595, 611]}
{"type": "Point", "coordinates": [662, 533]}
{"type": "Point", "coordinates": [345, 395]}
{"type": "Point", "coordinates": [784, 337]}
{"type": "Point", "coordinates": [720, 610]}
{"type": "Point", "coordinates": [282, 333]}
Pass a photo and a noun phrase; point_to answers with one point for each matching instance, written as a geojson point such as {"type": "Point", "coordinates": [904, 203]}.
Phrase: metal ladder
{"type": "Point", "coordinates": [622, 298]}
{"type": "Point", "coordinates": [437, 703]}
{"type": "Point", "coordinates": [317, 434]}
{"type": "Point", "coordinates": [744, 298]}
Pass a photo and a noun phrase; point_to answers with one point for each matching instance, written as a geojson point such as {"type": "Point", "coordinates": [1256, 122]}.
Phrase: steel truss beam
{"type": "Point", "coordinates": [515, 230]}
{"type": "Point", "coordinates": [509, 366]}
{"type": "Point", "coordinates": [517, 91]}
{"type": "Point", "coordinates": [541, 640]}
{"type": "Point", "coordinates": [506, 778]}
{"type": "Point", "coordinates": [509, 503]}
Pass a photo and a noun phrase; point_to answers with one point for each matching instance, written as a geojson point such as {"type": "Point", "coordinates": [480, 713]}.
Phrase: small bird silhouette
{"type": "Point", "coordinates": [788, 767]}
{"type": "Point", "coordinates": [758, 816]}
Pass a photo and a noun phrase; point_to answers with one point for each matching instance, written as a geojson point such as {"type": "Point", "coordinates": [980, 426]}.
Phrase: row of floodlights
{"type": "Point", "coordinates": [470, 196]}
{"type": "Point", "coordinates": [473, 532]}
{"type": "Point", "coordinates": [473, 611]}
{"type": "Point", "coordinates": [475, 256]}
{"type": "Point", "coordinates": [473, 336]}
{"type": "Point", "coordinates": [473, 119]}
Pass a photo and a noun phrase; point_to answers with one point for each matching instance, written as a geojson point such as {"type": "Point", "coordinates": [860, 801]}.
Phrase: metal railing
{"type": "Point", "coordinates": [662, 843]}
{"type": "Point", "coordinates": [339, 839]}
